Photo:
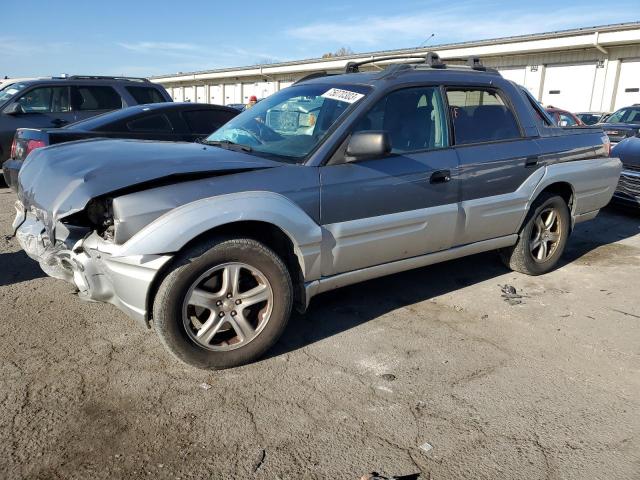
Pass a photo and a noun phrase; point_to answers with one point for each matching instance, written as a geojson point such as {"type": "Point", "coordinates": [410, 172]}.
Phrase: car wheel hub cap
{"type": "Point", "coordinates": [545, 235]}
{"type": "Point", "coordinates": [227, 306]}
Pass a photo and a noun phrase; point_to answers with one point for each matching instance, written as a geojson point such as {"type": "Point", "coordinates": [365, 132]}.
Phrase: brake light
{"type": "Point", "coordinates": [13, 148]}
{"type": "Point", "coordinates": [607, 147]}
{"type": "Point", "coordinates": [33, 144]}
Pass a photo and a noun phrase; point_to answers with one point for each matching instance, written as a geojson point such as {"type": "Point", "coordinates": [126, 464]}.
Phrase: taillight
{"type": "Point", "coordinates": [607, 147]}
{"type": "Point", "coordinates": [13, 148]}
{"type": "Point", "coordinates": [33, 144]}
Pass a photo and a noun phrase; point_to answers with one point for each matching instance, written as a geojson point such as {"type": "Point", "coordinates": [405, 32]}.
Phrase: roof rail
{"type": "Point", "coordinates": [105, 77]}
{"type": "Point", "coordinates": [311, 75]}
{"type": "Point", "coordinates": [431, 59]}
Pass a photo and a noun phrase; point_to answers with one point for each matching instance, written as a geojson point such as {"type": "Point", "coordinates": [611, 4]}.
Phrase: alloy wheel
{"type": "Point", "coordinates": [227, 306]}
{"type": "Point", "coordinates": [545, 236]}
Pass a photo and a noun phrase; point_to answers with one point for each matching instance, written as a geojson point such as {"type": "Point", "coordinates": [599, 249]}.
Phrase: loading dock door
{"type": "Point", "coordinates": [514, 74]}
{"type": "Point", "coordinates": [215, 92]}
{"type": "Point", "coordinates": [200, 96]}
{"type": "Point", "coordinates": [569, 86]}
{"type": "Point", "coordinates": [177, 94]}
{"type": "Point", "coordinates": [629, 84]}
{"type": "Point", "coordinates": [189, 94]}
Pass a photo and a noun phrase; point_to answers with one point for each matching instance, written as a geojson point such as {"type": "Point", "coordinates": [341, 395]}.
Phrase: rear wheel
{"type": "Point", "coordinates": [224, 304]}
{"type": "Point", "coordinates": [542, 238]}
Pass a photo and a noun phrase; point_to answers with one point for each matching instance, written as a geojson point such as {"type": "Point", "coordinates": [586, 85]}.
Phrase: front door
{"type": "Point", "coordinates": [42, 107]}
{"type": "Point", "coordinates": [400, 206]}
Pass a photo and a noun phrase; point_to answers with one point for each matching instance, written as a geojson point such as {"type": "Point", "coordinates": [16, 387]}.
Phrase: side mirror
{"type": "Point", "coordinates": [14, 109]}
{"type": "Point", "coordinates": [363, 145]}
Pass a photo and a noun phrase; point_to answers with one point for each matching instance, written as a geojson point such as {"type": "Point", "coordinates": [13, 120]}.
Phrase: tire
{"type": "Point", "coordinates": [198, 278]}
{"type": "Point", "coordinates": [524, 256]}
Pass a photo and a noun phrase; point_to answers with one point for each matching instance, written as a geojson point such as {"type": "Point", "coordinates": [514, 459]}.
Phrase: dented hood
{"type": "Point", "coordinates": [60, 180]}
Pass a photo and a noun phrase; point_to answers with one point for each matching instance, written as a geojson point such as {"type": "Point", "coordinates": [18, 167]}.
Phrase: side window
{"type": "Point", "coordinates": [150, 124]}
{"type": "Point", "coordinates": [206, 121]}
{"type": "Point", "coordinates": [566, 120]}
{"type": "Point", "coordinates": [541, 116]}
{"type": "Point", "coordinates": [144, 95]}
{"type": "Point", "coordinates": [88, 97]}
{"type": "Point", "coordinates": [414, 119]}
{"type": "Point", "coordinates": [480, 115]}
{"type": "Point", "coordinates": [45, 100]}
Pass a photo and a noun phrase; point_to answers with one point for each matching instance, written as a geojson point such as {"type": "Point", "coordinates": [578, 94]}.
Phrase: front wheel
{"type": "Point", "coordinates": [224, 304]}
{"type": "Point", "coordinates": [542, 238]}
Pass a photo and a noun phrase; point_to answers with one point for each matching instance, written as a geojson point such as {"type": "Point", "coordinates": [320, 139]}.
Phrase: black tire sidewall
{"type": "Point", "coordinates": [168, 320]}
{"type": "Point", "coordinates": [539, 268]}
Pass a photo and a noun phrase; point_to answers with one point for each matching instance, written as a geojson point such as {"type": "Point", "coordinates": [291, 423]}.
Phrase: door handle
{"type": "Point", "coordinates": [58, 121]}
{"type": "Point", "coordinates": [531, 161]}
{"type": "Point", "coordinates": [441, 176]}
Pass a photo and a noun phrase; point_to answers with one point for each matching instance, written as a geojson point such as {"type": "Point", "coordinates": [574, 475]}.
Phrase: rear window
{"type": "Point", "coordinates": [480, 115]}
{"type": "Point", "coordinates": [206, 121]}
{"type": "Point", "coordinates": [144, 95]}
{"type": "Point", "coordinates": [151, 124]}
{"type": "Point", "coordinates": [86, 97]}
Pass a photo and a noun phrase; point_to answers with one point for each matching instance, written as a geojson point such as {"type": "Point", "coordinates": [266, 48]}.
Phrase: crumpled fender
{"type": "Point", "coordinates": [173, 230]}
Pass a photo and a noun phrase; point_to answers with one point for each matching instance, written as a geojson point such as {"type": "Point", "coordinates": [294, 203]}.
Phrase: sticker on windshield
{"type": "Point", "coordinates": [342, 95]}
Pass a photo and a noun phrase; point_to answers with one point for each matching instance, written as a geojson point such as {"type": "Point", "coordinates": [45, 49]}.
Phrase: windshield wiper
{"type": "Point", "coordinates": [228, 144]}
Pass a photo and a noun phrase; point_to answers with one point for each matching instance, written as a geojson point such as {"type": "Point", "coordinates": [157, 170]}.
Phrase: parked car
{"type": "Point", "coordinates": [564, 118]}
{"type": "Point", "coordinates": [628, 190]}
{"type": "Point", "coordinates": [622, 123]}
{"type": "Point", "coordinates": [237, 106]}
{"type": "Point", "coordinates": [54, 102]}
{"type": "Point", "coordinates": [174, 122]}
{"type": "Point", "coordinates": [332, 181]}
{"type": "Point", "coordinates": [591, 118]}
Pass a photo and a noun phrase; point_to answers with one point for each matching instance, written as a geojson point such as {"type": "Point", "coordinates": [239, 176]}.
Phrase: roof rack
{"type": "Point", "coordinates": [430, 59]}
{"type": "Point", "coordinates": [312, 75]}
{"type": "Point", "coordinates": [105, 77]}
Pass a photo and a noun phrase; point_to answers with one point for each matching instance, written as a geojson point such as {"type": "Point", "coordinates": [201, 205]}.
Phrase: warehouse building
{"type": "Point", "coordinates": [586, 69]}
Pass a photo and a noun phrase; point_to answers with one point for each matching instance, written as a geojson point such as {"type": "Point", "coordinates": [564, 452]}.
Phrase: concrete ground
{"type": "Point", "coordinates": [431, 371]}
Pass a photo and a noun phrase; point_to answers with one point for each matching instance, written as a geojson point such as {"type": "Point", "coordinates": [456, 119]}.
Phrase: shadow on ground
{"type": "Point", "coordinates": [340, 310]}
{"type": "Point", "coordinates": [16, 267]}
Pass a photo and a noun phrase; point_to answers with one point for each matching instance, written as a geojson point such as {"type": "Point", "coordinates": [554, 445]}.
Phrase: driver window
{"type": "Point", "coordinates": [413, 118]}
{"type": "Point", "coordinates": [45, 100]}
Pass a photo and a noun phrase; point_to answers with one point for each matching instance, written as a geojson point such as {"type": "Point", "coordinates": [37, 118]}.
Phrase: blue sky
{"type": "Point", "coordinates": [140, 37]}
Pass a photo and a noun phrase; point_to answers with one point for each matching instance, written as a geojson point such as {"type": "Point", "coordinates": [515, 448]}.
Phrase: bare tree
{"type": "Point", "coordinates": [341, 52]}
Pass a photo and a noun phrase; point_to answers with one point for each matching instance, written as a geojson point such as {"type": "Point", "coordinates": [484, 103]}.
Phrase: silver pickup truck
{"type": "Point", "coordinates": [335, 180]}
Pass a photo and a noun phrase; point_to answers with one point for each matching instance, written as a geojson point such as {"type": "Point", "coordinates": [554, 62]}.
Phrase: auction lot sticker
{"type": "Point", "coordinates": [342, 95]}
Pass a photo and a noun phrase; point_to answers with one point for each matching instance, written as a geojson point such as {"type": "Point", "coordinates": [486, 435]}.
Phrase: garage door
{"type": "Point", "coordinates": [189, 94]}
{"type": "Point", "coordinates": [629, 84]}
{"type": "Point", "coordinates": [569, 86]}
{"type": "Point", "coordinates": [514, 74]}
{"type": "Point", "coordinates": [200, 95]}
{"type": "Point", "coordinates": [215, 94]}
{"type": "Point", "coordinates": [177, 94]}
{"type": "Point", "coordinates": [232, 93]}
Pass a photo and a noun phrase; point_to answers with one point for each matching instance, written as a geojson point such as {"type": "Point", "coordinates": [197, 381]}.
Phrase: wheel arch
{"type": "Point", "coordinates": [269, 234]}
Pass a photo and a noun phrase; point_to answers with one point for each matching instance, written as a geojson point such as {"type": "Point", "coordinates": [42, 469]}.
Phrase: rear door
{"type": "Point", "coordinates": [90, 100]}
{"type": "Point", "coordinates": [495, 157]}
{"type": "Point", "coordinates": [400, 206]}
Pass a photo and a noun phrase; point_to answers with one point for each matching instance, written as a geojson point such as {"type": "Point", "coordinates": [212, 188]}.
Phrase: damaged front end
{"type": "Point", "coordinates": [84, 255]}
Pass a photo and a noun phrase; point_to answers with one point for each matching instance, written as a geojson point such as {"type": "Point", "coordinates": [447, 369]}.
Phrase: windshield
{"type": "Point", "coordinates": [291, 123]}
{"type": "Point", "coordinates": [10, 90]}
{"type": "Point", "coordinates": [625, 115]}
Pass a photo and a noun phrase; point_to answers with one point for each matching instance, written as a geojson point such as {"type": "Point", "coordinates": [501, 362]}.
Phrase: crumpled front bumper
{"type": "Point", "coordinates": [92, 265]}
